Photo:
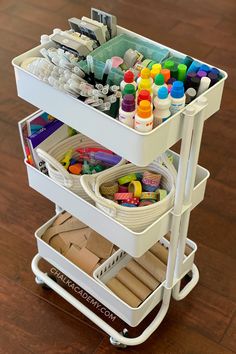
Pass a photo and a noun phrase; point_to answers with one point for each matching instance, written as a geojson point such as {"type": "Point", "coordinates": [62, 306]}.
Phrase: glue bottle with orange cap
{"type": "Point", "coordinates": [143, 121]}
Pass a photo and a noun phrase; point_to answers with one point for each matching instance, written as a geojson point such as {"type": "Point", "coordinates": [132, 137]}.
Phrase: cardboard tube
{"type": "Point", "coordinates": [141, 274]}
{"type": "Point", "coordinates": [188, 249]}
{"type": "Point", "coordinates": [160, 252]}
{"type": "Point", "coordinates": [153, 265]}
{"type": "Point", "coordinates": [133, 284]}
{"type": "Point", "coordinates": [83, 258]}
{"type": "Point", "coordinates": [123, 293]}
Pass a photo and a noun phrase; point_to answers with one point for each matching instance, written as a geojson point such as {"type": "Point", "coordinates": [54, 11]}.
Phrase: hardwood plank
{"type": "Point", "coordinates": [217, 274]}
{"type": "Point", "coordinates": [44, 328]}
{"type": "Point", "coordinates": [229, 339]}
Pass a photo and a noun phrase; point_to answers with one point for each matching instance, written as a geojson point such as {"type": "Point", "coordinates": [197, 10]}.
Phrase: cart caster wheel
{"type": "Point", "coordinates": [117, 344]}
{"type": "Point", "coordinates": [41, 282]}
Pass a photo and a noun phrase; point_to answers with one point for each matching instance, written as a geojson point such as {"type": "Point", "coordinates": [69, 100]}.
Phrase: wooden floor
{"type": "Point", "coordinates": [34, 320]}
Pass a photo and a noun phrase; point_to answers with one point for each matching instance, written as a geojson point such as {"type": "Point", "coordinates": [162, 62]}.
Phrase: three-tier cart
{"type": "Point", "coordinates": [141, 149]}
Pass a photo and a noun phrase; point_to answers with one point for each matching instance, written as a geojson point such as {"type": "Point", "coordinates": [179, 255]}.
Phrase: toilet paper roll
{"type": "Point", "coordinates": [133, 284]}
{"type": "Point", "coordinates": [123, 293]}
{"type": "Point", "coordinates": [141, 274]}
{"type": "Point", "coordinates": [160, 252]}
{"type": "Point", "coordinates": [153, 265]}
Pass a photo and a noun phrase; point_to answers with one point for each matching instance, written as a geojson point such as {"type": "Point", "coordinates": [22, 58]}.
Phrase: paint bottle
{"type": "Point", "coordinates": [177, 97]}
{"type": "Point", "coordinates": [145, 85]}
{"type": "Point", "coordinates": [155, 71]}
{"type": "Point", "coordinates": [128, 79]}
{"type": "Point", "coordinates": [162, 106]}
{"type": "Point", "coordinates": [144, 95]}
{"type": "Point", "coordinates": [129, 89]}
{"type": "Point", "coordinates": [127, 110]}
{"type": "Point", "coordinates": [143, 121]}
{"type": "Point", "coordinates": [144, 75]}
{"type": "Point", "coordinates": [159, 82]}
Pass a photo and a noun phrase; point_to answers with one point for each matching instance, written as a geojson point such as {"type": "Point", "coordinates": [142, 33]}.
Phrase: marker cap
{"type": "Point", "coordinates": [145, 73]}
{"type": "Point", "coordinates": [188, 61]}
{"type": "Point", "coordinates": [128, 103]}
{"type": "Point", "coordinates": [157, 66]}
{"type": "Point", "coordinates": [213, 77]}
{"type": "Point", "coordinates": [144, 109]}
{"type": "Point", "coordinates": [174, 72]}
{"type": "Point", "coordinates": [144, 95]}
{"type": "Point", "coordinates": [195, 82]}
{"type": "Point", "coordinates": [205, 68]}
{"type": "Point", "coordinates": [182, 68]}
{"type": "Point", "coordinates": [151, 64]}
{"type": "Point", "coordinates": [129, 89]}
{"type": "Point", "coordinates": [177, 90]}
{"type": "Point", "coordinates": [171, 80]}
{"type": "Point", "coordinates": [159, 80]}
{"type": "Point", "coordinates": [190, 94]}
{"type": "Point", "coordinates": [166, 74]}
{"type": "Point", "coordinates": [162, 92]}
{"type": "Point", "coordinates": [195, 66]}
{"type": "Point", "coordinates": [201, 73]}
{"type": "Point", "coordinates": [169, 64]}
{"type": "Point", "coordinates": [128, 76]}
{"type": "Point", "coordinates": [215, 71]}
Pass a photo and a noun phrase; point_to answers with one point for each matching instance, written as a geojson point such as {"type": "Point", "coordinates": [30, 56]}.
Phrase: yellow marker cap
{"type": "Point", "coordinates": [144, 109]}
{"type": "Point", "coordinates": [157, 66]}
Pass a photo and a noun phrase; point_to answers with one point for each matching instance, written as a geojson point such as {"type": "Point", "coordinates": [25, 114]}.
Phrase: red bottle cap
{"type": "Point", "coordinates": [128, 76]}
{"type": "Point", "coordinates": [144, 95]}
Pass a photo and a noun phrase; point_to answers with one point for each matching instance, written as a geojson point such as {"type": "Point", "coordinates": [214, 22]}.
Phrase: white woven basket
{"type": "Point", "coordinates": [58, 173]}
{"type": "Point", "coordinates": [136, 219]}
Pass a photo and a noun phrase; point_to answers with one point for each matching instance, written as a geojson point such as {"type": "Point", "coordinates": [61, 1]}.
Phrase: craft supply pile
{"type": "Point", "coordinates": [135, 190]}
{"type": "Point", "coordinates": [134, 81]}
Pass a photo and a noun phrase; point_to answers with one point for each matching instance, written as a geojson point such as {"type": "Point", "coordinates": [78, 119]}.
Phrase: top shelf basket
{"type": "Point", "coordinates": [139, 148]}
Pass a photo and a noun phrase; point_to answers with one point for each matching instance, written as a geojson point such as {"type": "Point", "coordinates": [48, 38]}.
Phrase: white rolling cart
{"type": "Point", "coordinates": [187, 126]}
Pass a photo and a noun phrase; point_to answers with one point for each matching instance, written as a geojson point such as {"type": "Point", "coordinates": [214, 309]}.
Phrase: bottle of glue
{"type": "Point", "coordinates": [143, 121]}
{"type": "Point", "coordinates": [128, 79]}
{"type": "Point", "coordinates": [162, 106]}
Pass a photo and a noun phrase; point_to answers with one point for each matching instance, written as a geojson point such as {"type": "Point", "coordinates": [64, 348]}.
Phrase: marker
{"type": "Point", "coordinates": [195, 82]}
{"type": "Point", "coordinates": [201, 73]}
{"type": "Point", "coordinates": [169, 64]}
{"type": "Point", "coordinates": [144, 95]}
{"type": "Point", "coordinates": [188, 61]}
{"type": "Point", "coordinates": [143, 120]}
{"type": "Point", "coordinates": [213, 77]}
{"type": "Point", "coordinates": [190, 94]}
{"type": "Point", "coordinates": [205, 68]}
{"type": "Point", "coordinates": [106, 71]}
{"type": "Point", "coordinates": [182, 69]}
{"type": "Point", "coordinates": [171, 80]}
{"type": "Point", "coordinates": [129, 89]}
{"type": "Point", "coordinates": [174, 71]}
{"type": "Point", "coordinates": [195, 66]}
{"type": "Point", "coordinates": [166, 74]}
{"type": "Point", "coordinates": [128, 79]}
{"type": "Point", "coordinates": [215, 71]}
{"type": "Point", "coordinates": [204, 85]}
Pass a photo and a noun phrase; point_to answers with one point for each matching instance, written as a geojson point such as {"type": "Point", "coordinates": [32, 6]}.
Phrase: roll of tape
{"type": "Point", "coordinates": [145, 203]}
{"type": "Point", "coordinates": [129, 205]}
{"type": "Point", "coordinates": [123, 189]}
{"type": "Point", "coordinates": [123, 196]}
{"type": "Point", "coordinates": [149, 195]}
{"type": "Point", "coordinates": [152, 176]}
{"type": "Point", "coordinates": [109, 188]}
{"type": "Point", "coordinates": [134, 201]}
{"type": "Point", "coordinates": [135, 187]}
{"type": "Point", "coordinates": [127, 179]}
